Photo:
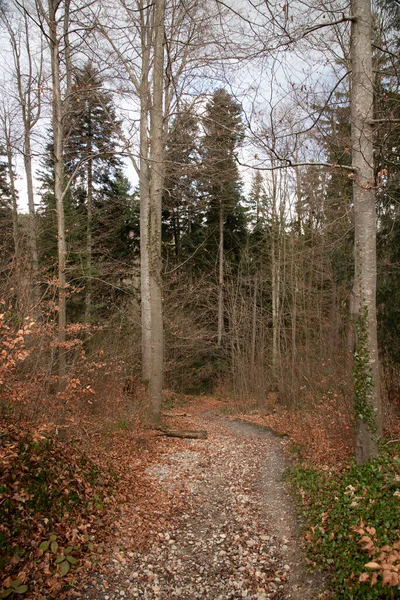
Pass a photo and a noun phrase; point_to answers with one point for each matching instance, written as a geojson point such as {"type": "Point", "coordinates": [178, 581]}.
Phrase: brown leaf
{"type": "Point", "coordinates": [372, 565]}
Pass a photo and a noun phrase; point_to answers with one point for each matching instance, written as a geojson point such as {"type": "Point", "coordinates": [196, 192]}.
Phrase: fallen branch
{"type": "Point", "coordinates": [168, 414]}
{"type": "Point", "coordinates": [201, 434]}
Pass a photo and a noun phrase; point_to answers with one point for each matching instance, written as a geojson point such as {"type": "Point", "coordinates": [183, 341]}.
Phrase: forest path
{"type": "Point", "coordinates": [236, 535]}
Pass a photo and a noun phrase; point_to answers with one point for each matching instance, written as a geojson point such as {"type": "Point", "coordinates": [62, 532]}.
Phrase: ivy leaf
{"type": "Point", "coordinates": [72, 560]}
{"type": "Point", "coordinates": [54, 547]}
{"type": "Point", "coordinates": [6, 593]}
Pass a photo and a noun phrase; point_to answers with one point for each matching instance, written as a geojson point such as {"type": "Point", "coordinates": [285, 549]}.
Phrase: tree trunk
{"type": "Point", "coordinates": [32, 220]}
{"type": "Point", "coordinates": [221, 278]}
{"type": "Point", "coordinates": [275, 277]}
{"type": "Point", "coordinates": [58, 135]}
{"type": "Point", "coordinates": [144, 190]}
{"type": "Point", "coordinates": [254, 333]}
{"type": "Point", "coordinates": [89, 214]}
{"type": "Point", "coordinates": [366, 366]}
{"type": "Point", "coordinates": [14, 218]}
{"type": "Point", "coordinates": [156, 188]}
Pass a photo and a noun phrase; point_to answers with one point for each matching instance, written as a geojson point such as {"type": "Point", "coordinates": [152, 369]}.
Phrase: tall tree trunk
{"type": "Point", "coordinates": [366, 366]}
{"type": "Point", "coordinates": [144, 191]}
{"type": "Point", "coordinates": [17, 258]}
{"type": "Point", "coordinates": [254, 333]}
{"type": "Point", "coordinates": [33, 247]}
{"type": "Point", "coordinates": [275, 277]}
{"type": "Point", "coordinates": [156, 189]}
{"type": "Point", "coordinates": [89, 216]}
{"type": "Point", "coordinates": [221, 278]}
{"type": "Point", "coordinates": [58, 136]}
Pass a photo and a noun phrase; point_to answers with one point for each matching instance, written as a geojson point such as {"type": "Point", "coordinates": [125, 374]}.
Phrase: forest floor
{"type": "Point", "coordinates": [217, 519]}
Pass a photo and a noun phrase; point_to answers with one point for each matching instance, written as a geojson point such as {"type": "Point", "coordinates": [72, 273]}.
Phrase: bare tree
{"type": "Point", "coordinates": [366, 367]}
{"type": "Point", "coordinates": [28, 76]}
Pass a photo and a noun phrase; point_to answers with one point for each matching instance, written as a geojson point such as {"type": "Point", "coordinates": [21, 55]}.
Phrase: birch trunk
{"type": "Point", "coordinates": [362, 101]}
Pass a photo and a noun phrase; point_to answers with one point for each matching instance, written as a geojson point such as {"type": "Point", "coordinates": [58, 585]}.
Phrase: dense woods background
{"type": "Point", "coordinates": [232, 248]}
{"type": "Point", "coordinates": [199, 203]}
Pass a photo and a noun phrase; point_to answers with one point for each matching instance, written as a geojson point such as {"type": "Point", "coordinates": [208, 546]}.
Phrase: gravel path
{"type": "Point", "coordinates": [237, 536]}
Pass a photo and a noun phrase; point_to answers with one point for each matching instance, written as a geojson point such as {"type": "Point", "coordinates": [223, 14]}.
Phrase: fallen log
{"type": "Point", "coordinates": [200, 434]}
{"type": "Point", "coordinates": [170, 414]}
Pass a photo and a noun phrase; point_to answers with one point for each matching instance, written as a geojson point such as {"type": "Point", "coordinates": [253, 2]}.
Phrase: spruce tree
{"type": "Point", "coordinates": [91, 165]}
{"type": "Point", "coordinates": [182, 211]}
{"type": "Point", "coordinates": [221, 185]}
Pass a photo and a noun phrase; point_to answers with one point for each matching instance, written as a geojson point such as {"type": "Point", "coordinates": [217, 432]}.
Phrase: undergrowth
{"type": "Point", "coordinates": [50, 500]}
{"type": "Point", "coordinates": [353, 526]}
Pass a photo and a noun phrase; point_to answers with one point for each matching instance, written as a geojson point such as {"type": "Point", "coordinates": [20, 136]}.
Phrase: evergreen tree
{"type": "Point", "coordinates": [221, 183]}
{"type": "Point", "coordinates": [5, 200]}
{"type": "Point", "coordinates": [182, 210]}
{"type": "Point", "coordinates": [6, 224]}
{"type": "Point", "coordinates": [92, 168]}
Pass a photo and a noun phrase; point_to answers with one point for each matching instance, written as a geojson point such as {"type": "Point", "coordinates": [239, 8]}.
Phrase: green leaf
{"type": "Point", "coordinates": [21, 589]}
{"type": "Point", "coordinates": [59, 559]}
{"type": "Point", "coordinates": [6, 593]}
{"type": "Point", "coordinates": [86, 537]}
{"type": "Point", "coordinates": [72, 560]}
{"type": "Point", "coordinates": [16, 583]}
{"type": "Point", "coordinates": [44, 546]}
{"type": "Point", "coordinates": [54, 547]}
{"type": "Point", "coordinates": [53, 537]}
{"type": "Point", "coordinates": [64, 568]}
{"type": "Point", "coordinates": [68, 550]}
{"type": "Point", "coordinates": [91, 546]}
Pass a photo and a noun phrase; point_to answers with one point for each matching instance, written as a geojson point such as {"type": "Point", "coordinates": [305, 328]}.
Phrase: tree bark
{"type": "Point", "coordinates": [144, 191]}
{"type": "Point", "coordinates": [362, 101]}
{"type": "Point", "coordinates": [89, 214]}
{"type": "Point", "coordinates": [58, 136]}
{"type": "Point", "coordinates": [32, 220]}
{"type": "Point", "coordinates": [156, 188]}
{"type": "Point", "coordinates": [221, 278]}
{"type": "Point", "coordinates": [14, 214]}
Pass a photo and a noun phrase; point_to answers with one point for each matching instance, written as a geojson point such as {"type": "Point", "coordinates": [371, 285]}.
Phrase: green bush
{"type": "Point", "coordinates": [352, 519]}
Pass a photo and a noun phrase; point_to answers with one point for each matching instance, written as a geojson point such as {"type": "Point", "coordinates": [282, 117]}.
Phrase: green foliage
{"type": "Point", "coordinates": [362, 374]}
{"type": "Point", "coordinates": [16, 587]}
{"type": "Point", "coordinates": [334, 505]}
{"type": "Point", "coordinates": [43, 486]}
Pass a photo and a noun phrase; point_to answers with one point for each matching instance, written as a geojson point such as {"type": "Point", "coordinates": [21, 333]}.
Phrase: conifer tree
{"type": "Point", "coordinates": [181, 206]}
{"type": "Point", "coordinates": [222, 186]}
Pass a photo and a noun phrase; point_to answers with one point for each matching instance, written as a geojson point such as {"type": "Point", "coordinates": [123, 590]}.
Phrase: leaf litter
{"type": "Point", "coordinates": [213, 521]}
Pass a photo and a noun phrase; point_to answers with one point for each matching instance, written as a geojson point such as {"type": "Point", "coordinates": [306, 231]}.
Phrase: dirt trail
{"type": "Point", "coordinates": [237, 536]}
